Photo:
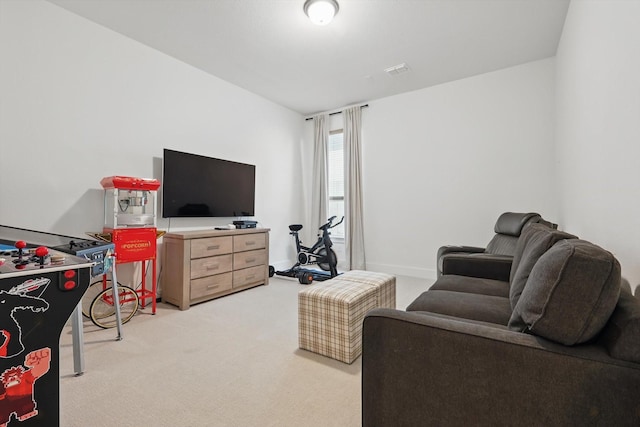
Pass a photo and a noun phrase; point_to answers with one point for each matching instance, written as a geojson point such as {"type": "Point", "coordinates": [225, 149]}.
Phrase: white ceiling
{"type": "Point", "coordinates": [270, 48]}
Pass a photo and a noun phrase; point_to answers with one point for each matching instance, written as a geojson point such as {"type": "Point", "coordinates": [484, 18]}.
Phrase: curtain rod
{"type": "Point", "coordinates": [335, 112]}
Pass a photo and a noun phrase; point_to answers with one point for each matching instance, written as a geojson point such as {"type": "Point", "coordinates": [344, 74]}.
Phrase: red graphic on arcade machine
{"type": "Point", "coordinates": [16, 386]}
{"type": "Point", "coordinates": [26, 296]}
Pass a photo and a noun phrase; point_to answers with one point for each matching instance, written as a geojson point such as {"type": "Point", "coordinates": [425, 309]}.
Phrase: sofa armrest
{"type": "Point", "coordinates": [458, 249]}
{"type": "Point", "coordinates": [487, 266]}
{"type": "Point", "coordinates": [422, 369]}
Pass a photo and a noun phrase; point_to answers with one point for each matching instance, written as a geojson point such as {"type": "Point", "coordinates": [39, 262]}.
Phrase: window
{"type": "Point", "coordinates": [336, 181]}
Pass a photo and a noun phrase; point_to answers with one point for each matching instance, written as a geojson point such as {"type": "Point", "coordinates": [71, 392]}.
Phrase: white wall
{"type": "Point", "coordinates": [80, 102]}
{"type": "Point", "coordinates": [598, 131]}
{"type": "Point", "coordinates": [441, 164]}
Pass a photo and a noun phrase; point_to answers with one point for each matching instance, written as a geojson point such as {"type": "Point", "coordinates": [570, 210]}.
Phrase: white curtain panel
{"type": "Point", "coordinates": [354, 227]}
{"type": "Point", "coordinates": [320, 184]}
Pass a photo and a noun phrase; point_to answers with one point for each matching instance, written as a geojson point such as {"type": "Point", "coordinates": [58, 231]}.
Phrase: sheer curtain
{"type": "Point", "coordinates": [354, 228]}
{"type": "Point", "coordinates": [320, 190]}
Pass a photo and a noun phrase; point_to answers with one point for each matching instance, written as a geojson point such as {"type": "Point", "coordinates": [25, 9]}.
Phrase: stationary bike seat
{"type": "Point", "coordinates": [295, 227]}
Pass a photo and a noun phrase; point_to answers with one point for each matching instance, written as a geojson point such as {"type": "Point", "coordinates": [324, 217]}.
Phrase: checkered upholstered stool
{"type": "Point", "coordinates": [385, 283]}
{"type": "Point", "coordinates": [330, 313]}
{"type": "Point", "coordinates": [330, 316]}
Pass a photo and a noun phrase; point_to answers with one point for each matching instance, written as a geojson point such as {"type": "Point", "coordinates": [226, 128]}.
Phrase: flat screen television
{"type": "Point", "coordinates": [198, 186]}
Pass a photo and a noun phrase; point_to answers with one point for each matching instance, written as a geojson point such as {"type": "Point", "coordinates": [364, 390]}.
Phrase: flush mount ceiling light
{"type": "Point", "coordinates": [321, 12]}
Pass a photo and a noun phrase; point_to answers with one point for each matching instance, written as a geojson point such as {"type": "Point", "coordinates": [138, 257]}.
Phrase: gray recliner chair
{"type": "Point", "coordinates": [494, 261]}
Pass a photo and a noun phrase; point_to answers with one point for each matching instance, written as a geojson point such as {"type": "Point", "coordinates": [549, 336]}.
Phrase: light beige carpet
{"type": "Point", "coordinates": [233, 361]}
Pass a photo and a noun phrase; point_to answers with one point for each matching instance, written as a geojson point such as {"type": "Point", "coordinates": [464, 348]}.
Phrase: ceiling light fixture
{"type": "Point", "coordinates": [321, 12]}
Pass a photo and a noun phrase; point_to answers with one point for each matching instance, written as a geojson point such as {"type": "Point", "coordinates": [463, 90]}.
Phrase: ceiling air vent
{"type": "Point", "coordinates": [397, 69]}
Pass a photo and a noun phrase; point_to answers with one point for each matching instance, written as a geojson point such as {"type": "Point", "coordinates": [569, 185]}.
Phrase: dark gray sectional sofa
{"type": "Point", "coordinates": [556, 345]}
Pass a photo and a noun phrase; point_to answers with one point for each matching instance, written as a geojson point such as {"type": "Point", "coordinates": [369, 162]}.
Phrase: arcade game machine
{"type": "Point", "coordinates": [40, 286]}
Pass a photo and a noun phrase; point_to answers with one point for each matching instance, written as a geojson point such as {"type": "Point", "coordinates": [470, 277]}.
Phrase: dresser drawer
{"type": "Point", "coordinates": [249, 242]}
{"type": "Point", "coordinates": [249, 259]}
{"type": "Point", "coordinates": [202, 267]}
{"type": "Point", "coordinates": [210, 246]}
{"type": "Point", "coordinates": [207, 286]}
{"type": "Point", "coordinates": [248, 276]}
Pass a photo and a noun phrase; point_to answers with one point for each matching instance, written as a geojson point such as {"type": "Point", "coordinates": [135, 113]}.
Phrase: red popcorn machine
{"type": "Point", "coordinates": [130, 224]}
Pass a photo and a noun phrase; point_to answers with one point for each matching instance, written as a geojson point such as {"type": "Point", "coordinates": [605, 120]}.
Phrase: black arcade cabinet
{"type": "Point", "coordinates": [39, 289]}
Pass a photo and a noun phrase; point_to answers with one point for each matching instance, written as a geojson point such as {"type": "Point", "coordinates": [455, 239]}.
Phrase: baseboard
{"type": "Point", "coordinates": [402, 270]}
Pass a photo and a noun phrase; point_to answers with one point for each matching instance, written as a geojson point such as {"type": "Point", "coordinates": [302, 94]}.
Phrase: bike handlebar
{"type": "Point", "coordinates": [328, 224]}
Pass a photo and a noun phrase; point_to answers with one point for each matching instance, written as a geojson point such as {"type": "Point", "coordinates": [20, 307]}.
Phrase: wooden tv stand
{"type": "Point", "coordinates": [202, 265]}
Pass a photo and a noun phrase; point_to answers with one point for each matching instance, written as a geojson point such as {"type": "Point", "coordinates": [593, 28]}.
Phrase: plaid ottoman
{"type": "Point", "coordinates": [330, 316]}
{"type": "Point", "coordinates": [385, 283]}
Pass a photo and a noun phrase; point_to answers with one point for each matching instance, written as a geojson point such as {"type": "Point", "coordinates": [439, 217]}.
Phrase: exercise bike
{"type": "Point", "coordinates": [319, 254]}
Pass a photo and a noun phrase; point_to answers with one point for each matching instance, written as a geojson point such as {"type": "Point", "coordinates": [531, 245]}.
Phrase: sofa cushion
{"type": "Point", "coordinates": [508, 228]}
{"type": "Point", "coordinates": [534, 241]}
{"type": "Point", "coordinates": [622, 332]}
{"type": "Point", "coordinates": [571, 292]}
{"type": "Point", "coordinates": [472, 285]}
{"type": "Point", "coordinates": [484, 308]}
{"type": "Point", "coordinates": [501, 244]}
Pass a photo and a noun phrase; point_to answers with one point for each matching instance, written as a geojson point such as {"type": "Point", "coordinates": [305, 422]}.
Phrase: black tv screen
{"type": "Point", "coordinates": [199, 186]}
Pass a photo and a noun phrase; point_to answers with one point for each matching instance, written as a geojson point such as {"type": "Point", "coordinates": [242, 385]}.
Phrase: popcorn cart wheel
{"type": "Point", "coordinates": [96, 287]}
{"type": "Point", "coordinates": [103, 308]}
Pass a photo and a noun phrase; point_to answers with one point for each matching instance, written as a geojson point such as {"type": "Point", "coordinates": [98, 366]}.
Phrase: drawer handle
{"type": "Point", "coordinates": [250, 260]}
{"type": "Point", "coordinates": [251, 277]}
{"type": "Point", "coordinates": [250, 243]}
{"type": "Point", "coordinates": [213, 286]}
{"type": "Point", "coordinates": [213, 267]}
{"type": "Point", "coordinates": [212, 247]}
